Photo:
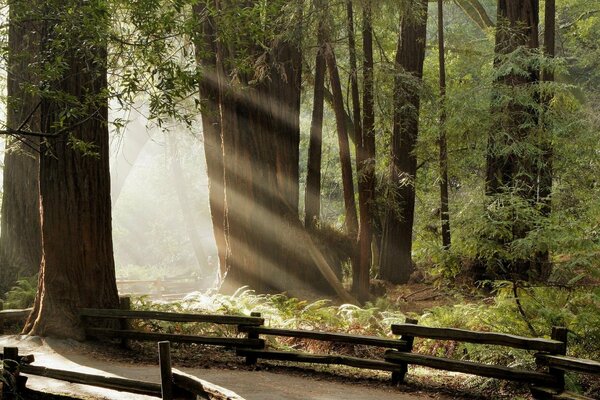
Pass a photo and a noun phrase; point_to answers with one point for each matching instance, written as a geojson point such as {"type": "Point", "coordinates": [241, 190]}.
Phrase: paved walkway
{"type": "Point", "coordinates": [252, 385]}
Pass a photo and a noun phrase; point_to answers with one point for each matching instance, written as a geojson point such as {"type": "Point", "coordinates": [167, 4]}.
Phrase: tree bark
{"type": "Point", "coordinates": [77, 268]}
{"type": "Point", "coordinates": [312, 198]}
{"type": "Point", "coordinates": [343, 143]}
{"type": "Point", "coordinates": [209, 59]}
{"type": "Point", "coordinates": [508, 171]}
{"type": "Point", "coordinates": [361, 273]}
{"type": "Point", "coordinates": [20, 239]}
{"type": "Point", "coordinates": [444, 207]}
{"type": "Point", "coordinates": [396, 261]}
{"type": "Point", "coordinates": [367, 177]}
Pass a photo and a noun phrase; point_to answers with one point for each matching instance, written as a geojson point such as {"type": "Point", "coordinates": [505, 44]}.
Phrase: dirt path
{"type": "Point", "coordinates": [252, 385]}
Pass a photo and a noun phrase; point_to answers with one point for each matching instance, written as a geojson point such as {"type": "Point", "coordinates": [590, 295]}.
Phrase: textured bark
{"type": "Point", "coordinates": [312, 198]}
{"type": "Point", "coordinates": [362, 264]}
{"type": "Point", "coordinates": [208, 57]}
{"type": "Point", "coordinates": [396, 262]}
{"type": "Point", "coordinates": [367, 176]}
{"type": "Point", "coordinates": [20, 240]}
{"type": "Point", "coordinates": [526, 175]}
{"type": "Point", "coordinates": [77, 268]}
{"type": "Point", "coordinates": [545, 173]}
{"type": "Point", "coordinates": [254, 112]}
{"type": "Point", "coordinates": [444, 208]}
{"type": "Point", "coordinates": [343, 143]}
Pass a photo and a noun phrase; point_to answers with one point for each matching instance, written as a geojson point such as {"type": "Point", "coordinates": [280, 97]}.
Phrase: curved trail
{"type": "Point", "coordinates": [252, 385]}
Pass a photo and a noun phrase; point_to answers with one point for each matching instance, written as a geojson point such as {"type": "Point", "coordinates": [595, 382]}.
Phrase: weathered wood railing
{"type": "Point", "coordinates": [173, 317]}
{"type": "Point", "coordinates": [13, 316]}
{"type": "Point", "coordinates": [546, 382]}
{"type": "Point", "coordinates": [550, 356]}
{"type": "Point", "coordinates": [253, 354]}
{"type": "Point", "coordinates": [174, 384]}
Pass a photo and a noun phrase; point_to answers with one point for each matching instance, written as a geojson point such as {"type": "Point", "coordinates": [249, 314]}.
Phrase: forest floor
{"type": "Point", "coordinates": [265, 382]}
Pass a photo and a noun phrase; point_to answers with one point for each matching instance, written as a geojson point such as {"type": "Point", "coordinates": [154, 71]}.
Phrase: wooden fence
{"type": "Point", "coordinates": [546, 381]}
{"type": "Point", "coordinates": [174, 384]}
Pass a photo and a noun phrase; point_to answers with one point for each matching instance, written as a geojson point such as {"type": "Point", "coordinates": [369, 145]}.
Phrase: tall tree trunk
{"type": "Point", "coordinates": [312, 198]}
{"type": "Point", "coordinates": [545, 173]}
{"type": "Point", "coordinates": [396, 261]}
{"type": "Point", "coordinates": [367, 176]}
{"type": "Point", "coordinates": [266, 247]}
{"type": "Point", "coordinates": [209, 58]}
{"type": "Point", "coordinates": [509, 171]}
{"type": "Point", "coordinates": [343, 143]}
{"type": "Point", "coordinates": [260, 134]}
{"type": "Point", "coordinates": [20, 239]}
{"type": "Point", "coordinates": [360, 275]}
{"type": "Point", "coordinates": [444, 208]}
{"type": "Point", "coordinates": [77, 268]}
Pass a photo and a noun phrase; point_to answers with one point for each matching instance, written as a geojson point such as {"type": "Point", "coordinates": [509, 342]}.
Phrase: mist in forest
{"type": "Point", "coordinates": [161, 219]}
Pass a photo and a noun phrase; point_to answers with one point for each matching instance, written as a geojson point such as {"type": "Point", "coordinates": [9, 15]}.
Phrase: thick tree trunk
{"type": "Point", "coordinates": [266, 247]}
{"type": "Point", "coordinates": [508, 171]}
{"type": "Point", "coordinates": [312, 198]}
{"type": "Point", "coordinates": [396, 261]}
{"type": "Point", "coordinates": [77, 268]}
{"type": "Point", "coordinates": [209, 58]}
{"type": "Point", "coordinates": [444, 208]}
{"type": "Point", "coordinates": [261, 135]}
{"type": "Point", "coordinates": [20, 240]}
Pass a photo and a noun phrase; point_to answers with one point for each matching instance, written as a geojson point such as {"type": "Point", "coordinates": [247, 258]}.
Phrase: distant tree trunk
{"type": "Point", "coordinates": [360, 275]}
{"type": "Point", "coordinates": [312, 198]}
{"type": "Point", "coordinates": [367, 177]}
{"type": "Point", "coordinates": [209, 58]}
{"type": "Point", "coordinates": [77, 268]}
{"type": "Point", "coordinates": [444, 208]}
{"type": "Point", "coordinates": [512, 172]}
{"type": "Point", "coordinates": [545, 173]}
{"type": "Point", "coordinates": [189, 216]}
{"type": "Point", "coordinates": [343, 143]}
{"type": "Point", "coordinates": [20, 240]}
{"type": "Point", "coordinates": [396, 261]}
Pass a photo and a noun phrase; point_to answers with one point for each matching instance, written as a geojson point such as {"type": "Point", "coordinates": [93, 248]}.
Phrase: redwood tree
{"type": "Point", "coordinates": [396, 261]}
{"type": "Point", "coordinates": [312, 198]}
{"type": "Point", "coordinates": [523, 177]}
{"type": "Point", "coordinates": [20, 240]}
{"type": "Point", "coordinates": [258, 128]}
{"type": "Point", "coordinates": [77, 268]}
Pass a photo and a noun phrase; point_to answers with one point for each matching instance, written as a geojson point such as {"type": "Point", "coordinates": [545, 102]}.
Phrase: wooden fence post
{"type": "Point", "coordinates": [124, 324]}
{"type": "Point", "coordinates": [559, 333]}
{"type": "Point", "coordinates": [10, 373]}
{"type": "Point", "coordinates": [398, 376]}
{"type": "Point", "coordinates": [166, 375]}
{"type": "Point", "coordinates": [251, 359]}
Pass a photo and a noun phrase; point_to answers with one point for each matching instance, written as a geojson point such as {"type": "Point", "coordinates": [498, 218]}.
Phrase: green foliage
{"type": "Point", "coordinates": [22, 295]}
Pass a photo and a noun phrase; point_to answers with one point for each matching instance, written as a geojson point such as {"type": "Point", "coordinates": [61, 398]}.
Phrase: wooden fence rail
{"type": "Point", "coordinates": [546, 382]}
{"type": "Point", "coordinates": [174, 384]}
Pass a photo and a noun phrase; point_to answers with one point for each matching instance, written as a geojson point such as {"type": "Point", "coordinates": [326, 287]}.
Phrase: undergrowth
{"type": "Point", "coordinates": [538, 309]}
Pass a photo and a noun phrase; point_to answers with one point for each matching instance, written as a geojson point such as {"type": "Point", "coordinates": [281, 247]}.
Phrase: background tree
{"type": "Point", "coordinates": [396, 252]}
{"type": "Point", "coordinates": [515, 159]}
{"type": "Point", "coordinates": [20, 238]}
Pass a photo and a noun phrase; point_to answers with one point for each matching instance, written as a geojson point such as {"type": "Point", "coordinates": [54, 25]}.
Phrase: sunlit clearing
{"type": "Point", "coordinates": [158, 181]}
